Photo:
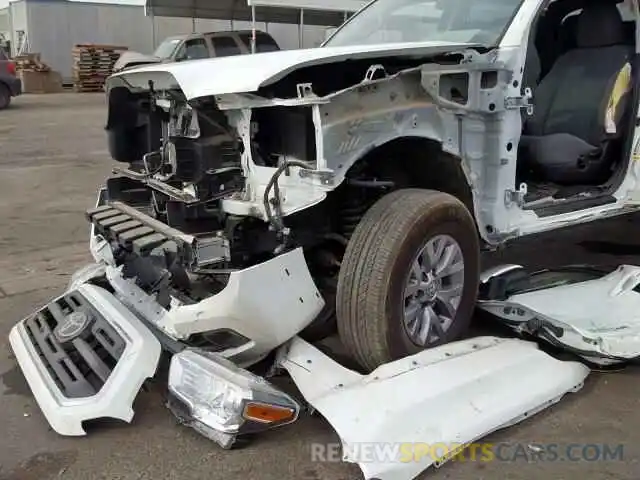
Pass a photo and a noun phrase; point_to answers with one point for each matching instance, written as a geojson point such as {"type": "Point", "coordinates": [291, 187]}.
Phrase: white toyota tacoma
{"type": "Point", "coordinates": [266, 201]}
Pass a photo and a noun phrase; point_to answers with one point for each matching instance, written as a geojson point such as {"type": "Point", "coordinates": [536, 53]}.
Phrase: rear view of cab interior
{"type": "Point", "coordinates": [583, 72]}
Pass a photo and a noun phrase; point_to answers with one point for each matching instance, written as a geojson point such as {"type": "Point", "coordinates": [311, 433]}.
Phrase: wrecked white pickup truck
{"type": "Point", "coordinates": [266, 201]}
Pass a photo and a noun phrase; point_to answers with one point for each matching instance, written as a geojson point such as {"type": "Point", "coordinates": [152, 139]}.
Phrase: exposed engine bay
{"type": "Point", "coordinates": [189, 172]}
{"type": "Point", "coordinates": [193, 161]}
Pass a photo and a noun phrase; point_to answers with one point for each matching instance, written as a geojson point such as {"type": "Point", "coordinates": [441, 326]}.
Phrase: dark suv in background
{"type": "Point", "coordinates": [10, 85]}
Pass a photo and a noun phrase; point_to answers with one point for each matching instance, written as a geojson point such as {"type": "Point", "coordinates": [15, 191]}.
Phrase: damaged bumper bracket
{"type": "Point", "coordinates": [132, 229]}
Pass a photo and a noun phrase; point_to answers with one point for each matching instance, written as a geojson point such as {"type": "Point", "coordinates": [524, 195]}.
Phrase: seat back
{"type": "Point", "coordinates": [530, 75]}
{"type": "Point", "coordinates": [587, 83]}
{"type": "Point", "coordinates": [532, 68]}
{"type": "Point", "coordinates": [568, 34]}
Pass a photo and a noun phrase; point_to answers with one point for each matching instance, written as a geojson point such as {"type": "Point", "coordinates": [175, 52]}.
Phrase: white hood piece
{"type": "Point", "coordinates": [131, 57]}
{"type": "Point", "coordinates": [420, 410]}
{"type": "Point", "coordinates": [594, 314]}
{"type": "Point", "coordinates": [247, 73]}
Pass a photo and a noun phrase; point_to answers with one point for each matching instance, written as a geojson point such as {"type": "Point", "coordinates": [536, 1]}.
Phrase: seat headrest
{"type": "Point", "coordinates": [600, 25]}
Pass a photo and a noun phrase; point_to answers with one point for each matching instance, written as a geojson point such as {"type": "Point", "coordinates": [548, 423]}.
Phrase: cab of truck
{"type": "Point", "coordinates": [223, 44]}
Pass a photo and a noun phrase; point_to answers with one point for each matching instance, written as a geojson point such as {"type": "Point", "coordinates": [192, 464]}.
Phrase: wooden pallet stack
{"type": "Point", "coordinates": [35, 75]}
{"type": "Point", "coordinates": [30, 63]}
{"type": "Point", "coordinates": [92, 64]}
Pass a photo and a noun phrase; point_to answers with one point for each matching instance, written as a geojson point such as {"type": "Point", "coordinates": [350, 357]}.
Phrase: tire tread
{"type": "Point", "coordinates": [364, 276]}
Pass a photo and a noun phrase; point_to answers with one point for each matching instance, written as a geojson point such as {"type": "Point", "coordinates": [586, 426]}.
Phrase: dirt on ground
{"type": "Point", "coordinates": [53, 157]}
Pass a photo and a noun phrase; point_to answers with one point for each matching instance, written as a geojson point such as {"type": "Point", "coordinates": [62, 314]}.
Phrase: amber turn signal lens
{"type": "Point", "coordinates": [265, 413]}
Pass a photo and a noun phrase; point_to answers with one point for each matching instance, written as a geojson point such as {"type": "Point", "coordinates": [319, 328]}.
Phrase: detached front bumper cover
{"type": "Point", "coordinates": [85, 356]}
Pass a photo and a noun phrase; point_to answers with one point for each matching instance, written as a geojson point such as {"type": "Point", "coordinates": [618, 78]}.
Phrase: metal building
{"type": "Point", "coordinates": [52, 27]}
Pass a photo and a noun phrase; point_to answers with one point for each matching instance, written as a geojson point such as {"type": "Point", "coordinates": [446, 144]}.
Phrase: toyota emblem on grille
{"type": "Point", "coordinates": [72, 326]}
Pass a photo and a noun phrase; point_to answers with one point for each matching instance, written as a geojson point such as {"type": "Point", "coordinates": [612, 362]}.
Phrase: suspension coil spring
{"type": "Point", "coordinates": [359, 196]}
{"type": "Point", "coordinates": [352, 210]}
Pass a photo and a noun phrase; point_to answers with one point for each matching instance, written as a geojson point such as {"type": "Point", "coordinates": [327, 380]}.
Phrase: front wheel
{"type": "Point", "coordinates": [409, 276]}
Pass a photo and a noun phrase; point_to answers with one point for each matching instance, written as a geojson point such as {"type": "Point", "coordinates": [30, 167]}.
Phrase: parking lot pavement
{"type": "Point", "coordinates": [53, 157]}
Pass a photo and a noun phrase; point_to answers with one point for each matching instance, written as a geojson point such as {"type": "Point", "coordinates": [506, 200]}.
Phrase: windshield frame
{"type": "Point", "coordinates": [178, 41]}
{"type": "Point", "coordinates": [498, 41]}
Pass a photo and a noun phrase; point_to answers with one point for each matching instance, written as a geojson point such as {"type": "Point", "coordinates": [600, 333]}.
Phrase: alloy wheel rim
{"type": "Point", "coordinates": [433, 290]}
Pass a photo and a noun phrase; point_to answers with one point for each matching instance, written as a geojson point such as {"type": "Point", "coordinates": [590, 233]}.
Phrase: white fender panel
{"type": "Point", "coordinates": [450, 395]}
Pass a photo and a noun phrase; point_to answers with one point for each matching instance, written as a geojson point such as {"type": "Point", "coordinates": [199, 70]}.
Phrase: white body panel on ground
{"type": "Point", "coordinates": [600, 316]}
{"type": "Point", "coordinates": [450, 395]}
{"type": "Point", "coordinates": [114, 400]}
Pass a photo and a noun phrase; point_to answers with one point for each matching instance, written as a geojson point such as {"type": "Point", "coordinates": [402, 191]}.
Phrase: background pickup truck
{"type": "Point", "coordinates": [199, 45]}
{"type": "Point", "coordinates": [10, 85]}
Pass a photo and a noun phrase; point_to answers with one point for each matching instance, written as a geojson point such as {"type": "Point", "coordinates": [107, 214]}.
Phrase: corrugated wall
{"type": "Point", "coordinates": [18, 22]}
{"type": "Point", "coordinates": [53, 29]}
{"type": "Point", "coordinates": [5, 23]}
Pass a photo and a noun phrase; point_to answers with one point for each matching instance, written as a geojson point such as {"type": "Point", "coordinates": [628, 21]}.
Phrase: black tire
{"type": "Point", "coordinates": [377, 261]}
{"type": "Point", "coordinates": [324, 265]}
{"type": "Point", "coordinates": [324, 325]}
{"type": "Point", "coordinates": [5, 97]}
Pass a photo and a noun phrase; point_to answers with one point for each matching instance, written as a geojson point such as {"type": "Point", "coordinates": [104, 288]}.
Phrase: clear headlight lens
{"type": "Point", "coordinates": [226, 398]}
{"type": "Point", "coordinates": [212, 399]}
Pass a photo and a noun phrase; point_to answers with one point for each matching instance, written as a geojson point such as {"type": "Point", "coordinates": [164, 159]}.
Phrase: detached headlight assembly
{"type": "Point", "coordinates": [221, 400]}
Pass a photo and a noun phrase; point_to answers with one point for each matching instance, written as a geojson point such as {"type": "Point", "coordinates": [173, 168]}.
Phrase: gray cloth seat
{"type": "Point", "coordinates": [567, 138]}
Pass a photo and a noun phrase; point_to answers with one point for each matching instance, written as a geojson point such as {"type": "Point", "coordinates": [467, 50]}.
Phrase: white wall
{"type": "Point", "coordinates": [5, 27]}
{"type": "Point", "coordinates": [18, 21]}
{"type": "Point", "coordinates": [54, 27]}
{"type": "Point", "coordinates": [5, 24]}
